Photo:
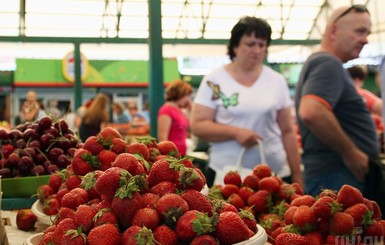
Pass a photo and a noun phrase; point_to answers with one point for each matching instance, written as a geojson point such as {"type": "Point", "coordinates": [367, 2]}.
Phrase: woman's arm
{"type": "Point", "coordinates": [164, 125]}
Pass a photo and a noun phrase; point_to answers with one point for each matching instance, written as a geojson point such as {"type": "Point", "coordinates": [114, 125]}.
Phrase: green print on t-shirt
{"type": "Point", "coordinates": [217, 94]}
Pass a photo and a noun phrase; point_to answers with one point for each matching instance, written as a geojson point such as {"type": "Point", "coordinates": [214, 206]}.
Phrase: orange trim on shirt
{"type": "Point", "coordinates": [319, 99]}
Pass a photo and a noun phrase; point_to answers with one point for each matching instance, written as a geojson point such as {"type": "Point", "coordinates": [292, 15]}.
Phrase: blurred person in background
{"type": "Point", "coordinates": [96, 117]}
{"type": "Point", "coordinates": [173, 123]}
{"type": "Point", "coordinates": [120, 114]}
{"type": "Point", "coordinates": [52, 108]}
{"type": "Point", "coordinates": [338, 134]}
{"type": "Point", "coordinates": [245, 101]}
{"type": "Point", "coordinates": [30, 108]}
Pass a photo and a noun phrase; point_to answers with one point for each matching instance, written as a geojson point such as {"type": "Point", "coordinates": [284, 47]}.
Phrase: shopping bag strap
{"type": "Point", "coordinates": [243, 150]}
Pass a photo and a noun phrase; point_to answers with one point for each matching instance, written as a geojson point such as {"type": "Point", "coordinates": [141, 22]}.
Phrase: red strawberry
{"type": "Point", "coordinates": [89, 182]}
{"type": "Point", "coordinates": [168, 148]}
{"type": "Point", "coordinates": [262, 170]}
{"type": "Point", "coordinates": [163, 187]}
{"type": "Point", "coordinates": [341, 224]}
{"type": "Point", "coordinates": [231, 229]}
{"type": "Point", "coordinates": [303, 200]}
{"type": "Point", "coordinates": [248, 217]}
{"type": "Point", "coordinates": [291, 238]}
{"type": "Point", "coordinates": [374, 232]}
{"type": "Point", "coordinates": [260, 200]}
{"type": "Point", "coordinates": [125, 206]}
{"type": "Point", "coordinates": [289, 214]}
{"type": "Point", "coordinates": [44, 192]}
{"type": "Point", "coordinates": [25, 219]}
{"type": "Point", "coordinates": [298, 188]}
{"type": "Point", "coordinates": [108, 134]}
{"type": "Point", "coordinates": [106, 158]}
{"type": "Point", "coordinates": [233, 177]}
{"type": "Point", "coordinates": [221, 206]}
{"type": "Point", "coordinates": [349, 195]}
{"type": "Point", "coordinates": [376, 211]}
{"type": "Point", "coordinates": [314, 238]}
{"type": "Point", "coordinates": [236, 200]}
{"type": "Point", "coordinates": [84, 216]}
{"type": "Point", "coordinates": [285, 192]}
{"type": "Point", "coordinates": [149, 199]}
{"type": "Point", "coordinates": [329, 193]}
{"type": "Point", "coordinates": [106, 234]}
{"type": "Point", "coordinates": [74, 237]}
{"type": "Point", "coordinates": [163, 170]}
{"type": "Point", "coordinates": [251, 181]}
{"type": "Point", "coordinates": [360, 213]}
{"type": "Point", "coordinates": [65, 213]}
{"type": "Point", "coordinates": [146, 217]}
{"type": "Point", "coordinates": [62, 228]}
{"type": "Point", "coordinates": [140, 149]}
{"type": "Point", "coordinates": [229, 189]}
{"type": "Point", "coordinates": [197, 201]}
{"type": "Point", "coordinates": [105, 216]}
{"type": "Point", "coordinates": [51, 206]}
{"type": "Point", "coordinates": [165, 235]}
{"type": "Point", "coordinates": [128, 162]}
{"type": "Point", "coordinates": [109, 181]}
{"type": "Point", "coordinates": [74, 198]}
{"type": "Point", "coordinates": [136, 235]}
{"type": "Point", "coordinates": [190, 178]}
{"type": "Point", "coordinates": [304, 218]}
{"type": "Point", "coordinates": [187, 162]}
{"type": "Point", "coordinates": [245, 192]}
{"type": "Point", "coordinates": [61, 193]}
{"type": "Point", "coordinates": [191, 224]}
{"type": "Point", "coordinates": [269, 183]}
{"type": "Point", "coordinates": [325, 206]}
{"type": "Point", "coordinates": [73, 182]}
{"type": "Point", "coordinates": [83, 162]}
{"type": "Point", "coordinates": [93, 145]}
{"type": "Point", "coordinates": [170, 207]}
{"type": "Point", "coordinates": [118, 146]}
{"type": "Point", "coordinates": [47, 238]}
{"type": "Point", "coordinates": [204, 239]}
{"type": "Point", "coordinates": [55, 180]}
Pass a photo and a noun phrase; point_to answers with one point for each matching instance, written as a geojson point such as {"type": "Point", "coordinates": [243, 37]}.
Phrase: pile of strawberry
{"type": "Point", "coordinates": [291, 217]}
{"type": "Point", "coordinates": [138, 193]}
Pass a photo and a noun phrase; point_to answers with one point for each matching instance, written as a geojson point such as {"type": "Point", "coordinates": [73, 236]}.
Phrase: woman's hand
{"type": "Point", "coordinates": [247, 138]}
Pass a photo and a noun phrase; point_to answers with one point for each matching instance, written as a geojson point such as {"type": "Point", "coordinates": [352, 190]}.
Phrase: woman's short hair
{"type": "Point", "coordinates": [246, 26]}
{"type": "Point", "coordinates": [357, 72]}
{"type": "Point", "coordinates": [177, 90]}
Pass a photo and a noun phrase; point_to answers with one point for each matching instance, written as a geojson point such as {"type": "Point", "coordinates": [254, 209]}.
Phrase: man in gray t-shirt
{"type": "Point", "coordinates": [338, 134]}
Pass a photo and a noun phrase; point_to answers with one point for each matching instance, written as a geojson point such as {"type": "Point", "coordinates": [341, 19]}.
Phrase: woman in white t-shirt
{"type": "Point", "coordinates": [244, 102]}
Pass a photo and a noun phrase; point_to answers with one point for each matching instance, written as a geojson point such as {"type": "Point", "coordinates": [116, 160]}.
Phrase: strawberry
{"type": "Point", "coordinates": [269, 183]}
{"type": "Point", "coordinates": [303, 200]}
{"type": "Point", "coordinates": [260, 200]}
{"type": "Point", "coordinates": [84, 216]}
{"type": "Point", "coordinates": [73, 182]}
{"type": "Point", "coordinates": [291, 238]}
{"type": "Point", "coordinates": [25, 219]}
{"type": "Point", "coordinates": [83, 162]}
{"type": "Point", "coordinates": [349, 195]}
{"type": "Point", "coordinates": [65, 213]}
{"type": "Point", "coordinates": [93, 145]}
{"type": "Point", "coordinates": [127, 161]}
{"type": "Point", "coordinates": [221, 206]}
{"type": "Point", "coordinates": [304, 218]}
{"type": "Point", "coordinates": [262, 170]}
{"type": "Point", "coordinates": [298, 188]}
{"type": "Point", "coordinates": [314, 238]}
{"type": "Point", "coordinates": [341, 224]}
{"type": "Point", "coordinates": [74, 198]}
{"type": "Point", "coordinates": [360, 213]}
{"type": "Point", "coordinates": [374, 232]}
{"type": "Point", "coordinates": [168, 148]}
{"type": "Point", "coordinates": [107, 134]}
{"type": "Point", "coordinates": [289, 214]}
{"type": "Point", "coordinates": [163, 187]}
{"type": "Point", "coordinates": [197, 201]}
{"type": "Point", "coordinates": [44, 192]}
{"type": "Point", "coordinates": [51, 206]}
{"type": "Point", "coordinates": [236, 200]}
{"type": "Point", "coordinates": [154, 154]}
{"type": "Point", "coordinates": [229, 189]}
{"type": "Point", "coordinates": [329, 193]}
{"type": "Point", "coordinates": [186, 161]}
{"type": "Point", "coordinates": [104, 216]}
{"type": "Point", "coordinates": [136, 235]}
{"type": "Point", "coordinates": [125, 204]}
{"type": "Point", "coordinates": [163, 170]}
{"type": "Point", "coordinates": [74, 237]}
{"type": "Point", "coordinates": [140, 149]}
{"type": "Point", "coordinates": [248, 217]}
{"type": "Point", "coordinates": [251, 181]}
{"type": "Point", "coordinates": [47, 238]}
{"type": "Point", "coordinates": [55, 180]}
{"type": "Point", "coordinates": [245, 192]}
{"type": "Point", "coordinates": [376, 211]}
{"type": "Point", "coordinates": [325, 206]}
{"type": "Point", "coordinates": [88, 183]}
{"type": "Point", "coordinates": [233, 177]}
{"type": "Point", "coordinates": [106, 157]}
{"type": "Point", "coordinates": [149, 199]}
{"type": "Point", "coordinates": [106, 234]}
{"type": "Point", "coordinates": [231, 229]}
{"type": "Point", "coordinates": [118, 146]}
{"type": "Point", "coordinates": [62, 228]}
{"type": "Point", "coordinates": [285, 192]}
{"type": "Point", "coordinates": [165, 235]}
{"type": "Point", "coordinates": [170, 207]}
{"type": "Point", "coordinates": [191, 224]}
{"type": "Point", "coordinates": [204, 239]}
{"type": "Point", "coordinates": [109, 181]}
{"type": "Point", "coordinates": [190, 178]}
{"type": "Point", "coordinates": [146, 217]}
